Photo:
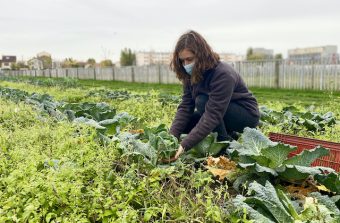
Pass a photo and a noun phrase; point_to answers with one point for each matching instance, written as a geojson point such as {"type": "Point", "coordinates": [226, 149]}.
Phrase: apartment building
{"type": "Point", "coordinates": [328, 52]}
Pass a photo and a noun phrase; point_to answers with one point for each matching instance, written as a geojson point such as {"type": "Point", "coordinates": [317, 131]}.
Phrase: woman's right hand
{"type": "Point", "coordinates": [180, 150]}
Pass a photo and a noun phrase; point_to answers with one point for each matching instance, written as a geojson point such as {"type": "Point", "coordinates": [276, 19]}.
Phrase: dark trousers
{"type": "Point", "coordinates": [235, 119]}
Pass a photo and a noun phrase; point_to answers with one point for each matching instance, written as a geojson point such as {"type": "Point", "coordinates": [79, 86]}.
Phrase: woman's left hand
{"type": "Point", "coordinates": [180, 150]}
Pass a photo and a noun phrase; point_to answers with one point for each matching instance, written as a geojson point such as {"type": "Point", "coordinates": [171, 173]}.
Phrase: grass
{"type": "Point", "coordinates": [288, 96]}
{"type": "Point", "coordinates": [263, 95]}
{"type": "Point", "coordinates": [138, 87]}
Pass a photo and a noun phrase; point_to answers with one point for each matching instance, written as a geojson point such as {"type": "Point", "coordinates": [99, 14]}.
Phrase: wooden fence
{"type": "Point", "coordinates": [318, 75]}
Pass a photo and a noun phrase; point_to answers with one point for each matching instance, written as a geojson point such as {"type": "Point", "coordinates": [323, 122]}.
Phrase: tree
{"type": "Point", "coordinates": [106, 63]}
{"type": "Point", "coordinates": [19, 65]}
{"type": "Point", "coordinates": [127, 58]}
{"type": "Point", "coordinates": [14, 66]}
{"type": "Point", "coordinates": [91, 62]}
{"type": "Point", "coordinates": [69, 63]}
{"type": "Point", "coordinates": [256, 56]}
{"type": "Point", "coordinates": [249, 52]}
{"type": "Point", "coordinates": [47, 61]}
{"type": "Point", "coordinates": [278, 56]}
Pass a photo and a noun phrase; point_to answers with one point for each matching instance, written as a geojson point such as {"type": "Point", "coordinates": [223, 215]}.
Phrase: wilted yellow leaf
{"type": "Point", "coordinates": [219, 172]}
{"type": "Point", "coordinates": [323, 188]}
{"type": "Point", "coordinates": [137, 131]}
{"type": "Point", "coordinates": [221, 163]}
{"type": "Point", "coordinates": [220, 166]}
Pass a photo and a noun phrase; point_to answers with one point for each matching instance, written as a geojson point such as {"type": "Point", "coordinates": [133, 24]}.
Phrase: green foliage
{"type": "Point", "coordinates": [278, 56]}
{"type": "Point", "coordinates": [65, 82]}
{"type": "Point", "coordinates": [167, 99]}
{"type": "Point", "coordinates": [95, 111]}
{"type": "Point", "coordinates": [112, 95]}
{"type": "Point", "coordinates": [127, 58]}
{"type": "Point", "coordinates": [262, 157]}
{"type": "Point", "coordinates": [331, 181]}
{"type": "Point", "coordinates": [47, 61]}
{"type": "Point", "coordinates": [54, 170]}
{"type": "Point", "coordinates": [209, 146]}
{"type": "Point", "coordinates": [91, 62]}
{"type": "Point", "coordinates": [19, 65]}
{"type": "Point", "coordinates": [290, 119]}
{"type": "Point", "coordinates": [266, 204]}
{"type": "Point", "coordinates": [69, 63]}
{"type": "Point", "coordinates": [256, 56]}
{"type": "Point", "coordinates": [61, 174]}
{"type": "Point", "coordinates": [106, 63]}
{"type": "Point", "coordinates": [162, 141]}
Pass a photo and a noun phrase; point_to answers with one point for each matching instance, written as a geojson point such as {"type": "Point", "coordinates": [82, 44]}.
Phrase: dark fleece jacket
{"type": "Point", "coordinates": [222, 84]}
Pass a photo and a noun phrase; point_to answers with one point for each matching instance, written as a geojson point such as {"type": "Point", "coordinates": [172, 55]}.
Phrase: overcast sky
{"type": "Point", "coordinates": [101, 28]}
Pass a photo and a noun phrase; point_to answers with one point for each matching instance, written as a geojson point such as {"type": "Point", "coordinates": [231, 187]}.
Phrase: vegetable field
{"type": "Point", "coordinates": [97, 151]}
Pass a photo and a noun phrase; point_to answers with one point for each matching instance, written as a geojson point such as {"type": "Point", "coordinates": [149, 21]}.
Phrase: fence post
{"type": "Point", "coordinates": [133, 74]}
{"type": "Point", "coordinates": [94, 74]}
{"type": "Point", "coordinates": [159, 74]}
{"type": "Point", "coordinates": [113, 74]}
{"type": "Point", "coordinates": [277, 73]}
{"type": "Point", "coordinates": [313, 74]}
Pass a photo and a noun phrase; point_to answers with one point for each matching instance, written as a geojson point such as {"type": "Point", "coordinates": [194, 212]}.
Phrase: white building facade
{"type": "Point", "coordinates": [329, 52]}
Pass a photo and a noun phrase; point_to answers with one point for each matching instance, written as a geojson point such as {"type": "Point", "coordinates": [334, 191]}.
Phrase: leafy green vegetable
{"type": "Point", "coordinates": [331, 181]}
{"type": "Point", "coordinates": [209, 146]}
{"type": "Point", "coordinates": [290, 119]}
{"type": "Point", "coordinates": [307, 157]}
{"type": "Point", "coordinates": [162, 141]}
{"type": "Point", "coordinates": [256, 153]}
{"type": "Point", "coordinates": [131, 146]}
{"type": "Point", "coordinates": [265, 204]}
{"type": "Point", "coordinates": [300, 173]}
{"type": "Point", "coordinates": [95, 111]}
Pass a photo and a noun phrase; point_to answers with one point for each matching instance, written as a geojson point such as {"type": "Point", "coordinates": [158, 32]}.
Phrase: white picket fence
{"type": "Point", "coordinates": [318, 75]}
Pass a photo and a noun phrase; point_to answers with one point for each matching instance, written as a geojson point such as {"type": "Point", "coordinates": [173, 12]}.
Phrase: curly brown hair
{"type": "Point", "coordinates": [205, 57]}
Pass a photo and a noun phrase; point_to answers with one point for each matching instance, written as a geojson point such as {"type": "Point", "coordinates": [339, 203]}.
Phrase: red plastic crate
{"type": "Point", "coordinates": [302, 143]}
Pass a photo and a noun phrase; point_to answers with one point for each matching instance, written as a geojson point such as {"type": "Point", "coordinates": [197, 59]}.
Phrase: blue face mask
{"type": "Point", "coordinates": [188, 68]}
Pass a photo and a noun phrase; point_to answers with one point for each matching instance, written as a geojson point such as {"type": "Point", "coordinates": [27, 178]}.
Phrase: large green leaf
{"type": "Point", "coordinates": [311, 125]}
{"type": "Point", "coordinates": [307, 157]}
{"type": "Point", "coordinates": [165, 144]}
{"type": "Point", "coordinates": [207, 147]}
{"type": "Point", "coordinates": [331, 181]}
{"type": "Point", "coordinates": [329, 203]}
{"type": "Point", "coordinates": [114, 125]}
{"type": "Point", "coordinates": [162, 141]}
{"type": "Point", "coordinates": [264, 204]}
{"type": "Point", "coordinates": [287, 203]}
{"type": "Point", "coordinates": [290, 119]}
{"type": "Point", "coordinates": [277, 154]}
{"type": "Point", "coordinates": [110, 126]}
{"type": "Point", "coordinates": [239, 202]}
{"type": "Point", "coordinates": [267, 196]}
{"type": "Point", "coordinates": [89, 122]}
{"type": "Point", "coordinates": [253, 141]}
{"type": "Point", "coordinates": [130, 145]}
{"type": "Point", "coordinates": [254, 167]}
{"type": "Point", "coordinates": [296, 173]}
{"type": "Point", "coordinates": [318, 208]}
{"type": "Point", "coordinates": [96, 111]}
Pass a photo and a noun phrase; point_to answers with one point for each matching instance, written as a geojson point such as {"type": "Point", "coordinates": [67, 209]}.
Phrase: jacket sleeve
{"type": "Point", "coordinates": [222, 87]}
{"type": "Point", "coordinates": [184, 111]}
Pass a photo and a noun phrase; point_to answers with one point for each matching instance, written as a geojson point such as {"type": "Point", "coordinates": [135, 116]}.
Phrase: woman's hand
{"type": "Point", "coordinates": [180, 150]}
